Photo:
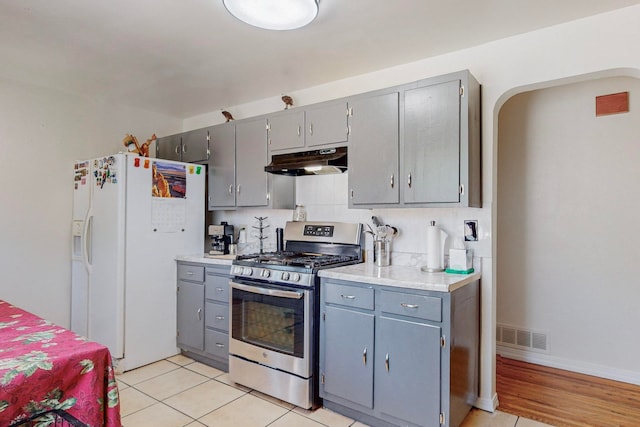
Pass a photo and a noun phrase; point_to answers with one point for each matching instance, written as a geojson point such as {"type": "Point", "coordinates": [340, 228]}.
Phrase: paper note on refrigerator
{"type": "Point", "coordinates": [168, 215]}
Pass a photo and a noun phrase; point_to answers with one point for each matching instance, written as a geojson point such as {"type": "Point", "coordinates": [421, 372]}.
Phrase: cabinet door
{"type": "Point", "coordinates": [222, 166]}
{"type": "Point", "coordinates": [195, 145]}
{"type": "Point", "coordinates": [251, 158]}
{"type": "Point", "coordinates": [169, 147]}
{"type": "Point", "coordinates": [347, 364]}
{"type": "Point", "coordinates": [191, 315]}
{"type": "Point", "coordinates": [373, 150]}
{"type": "Point", "coordinates": [286, 130]}
{"type": "Point", "coordinates": [432, 144]}
{"type": "Point", "coordinates": [408, 371]}
{"type": "Point", "coordinates": [326, 124]}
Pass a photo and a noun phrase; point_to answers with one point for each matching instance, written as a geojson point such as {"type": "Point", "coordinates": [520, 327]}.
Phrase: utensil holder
{"type": "Point", "coordinates": [382, 253]}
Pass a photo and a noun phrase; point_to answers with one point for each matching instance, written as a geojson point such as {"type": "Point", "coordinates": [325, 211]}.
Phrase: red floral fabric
{"type": "Point", "coordinates": [44, 366]}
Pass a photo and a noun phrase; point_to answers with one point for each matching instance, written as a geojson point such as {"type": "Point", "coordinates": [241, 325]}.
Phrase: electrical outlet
{"type": "Point", "coordinates": [470, 230]}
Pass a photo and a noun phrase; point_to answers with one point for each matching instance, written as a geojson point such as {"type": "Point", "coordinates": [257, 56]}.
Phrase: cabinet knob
{"type": "Point", "coordinates": [392, 180]}
{"type": "Point", "coordinates": [230, 188]}
{"type": "Point", "coordinates": [409, 180]}
{"type": "Point", "coordinates": [364, 356]}
{"type": "Point", "coordinates": [310, 128]}
{"type": "Point", "coordinates": [386, 362]}
{"type": "Point", "coordinates": [199, 314]}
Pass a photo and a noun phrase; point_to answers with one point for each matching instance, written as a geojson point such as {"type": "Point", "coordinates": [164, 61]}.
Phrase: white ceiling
{"type": "Point", "coordinates": [188, 57]}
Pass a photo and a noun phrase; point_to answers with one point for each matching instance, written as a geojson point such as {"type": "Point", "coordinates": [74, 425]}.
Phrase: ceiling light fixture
{"type": "Point", "coordinates": [274, 14]}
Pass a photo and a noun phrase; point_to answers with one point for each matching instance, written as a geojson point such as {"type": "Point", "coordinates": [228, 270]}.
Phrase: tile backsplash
{"type": "Point", "coordinates": [325, 199]}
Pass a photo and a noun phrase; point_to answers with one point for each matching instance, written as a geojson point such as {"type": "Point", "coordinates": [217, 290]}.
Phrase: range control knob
{"type": "Point", "coordinates": [247, 271]}
{"type": "Point", "coordinates": [285, 275]}
{"type": "Point", "coordinates": [265, 273]}
{"type": "Point", "coordinates": [295, 277]}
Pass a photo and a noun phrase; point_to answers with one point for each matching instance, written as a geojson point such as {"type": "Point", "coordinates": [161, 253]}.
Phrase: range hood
{"type": "Point", "coordinates": [316, 162]}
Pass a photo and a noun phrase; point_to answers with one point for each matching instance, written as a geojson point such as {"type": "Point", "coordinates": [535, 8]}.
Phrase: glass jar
{"type": "Point", "coordinates": [300, 213]}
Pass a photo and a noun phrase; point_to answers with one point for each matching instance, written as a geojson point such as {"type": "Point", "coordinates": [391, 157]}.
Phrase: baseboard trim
{"type": "Point", "coordinates": [621, 375]}
{"type": "Point", "coordinates": [487, 404]}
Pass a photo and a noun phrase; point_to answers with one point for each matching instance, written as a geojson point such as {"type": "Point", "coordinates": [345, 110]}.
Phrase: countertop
{"type": "Point", "coordinates": [207, 259]}
{"type": "Point", "coordinates": [410, 277]}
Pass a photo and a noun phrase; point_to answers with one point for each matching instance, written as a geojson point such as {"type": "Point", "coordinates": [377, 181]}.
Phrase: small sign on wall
{"type": "Point", "coordinates": [613, 103]}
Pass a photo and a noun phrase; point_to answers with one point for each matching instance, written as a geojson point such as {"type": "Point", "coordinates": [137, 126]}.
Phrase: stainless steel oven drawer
{"type": "Point", "coordinates": [216, 316]}
{"type": "Point", "coordinates": [350, 296]}
{"type": "Point", "coordinates": [418, 306]}
{"type": "Point", "coordinates": [216, 343]}
{"type": "Point", "coordinates": [190, 272]}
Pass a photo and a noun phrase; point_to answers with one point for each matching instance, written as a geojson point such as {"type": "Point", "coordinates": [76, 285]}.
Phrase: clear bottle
{"type": "Point", "coordinates": [300, 213]}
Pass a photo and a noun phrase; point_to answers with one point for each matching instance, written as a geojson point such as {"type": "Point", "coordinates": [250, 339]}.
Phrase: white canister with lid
{"type": "Point", "coordinates": [300, 213]}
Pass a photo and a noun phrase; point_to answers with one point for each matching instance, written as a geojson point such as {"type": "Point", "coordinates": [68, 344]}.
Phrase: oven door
{"type": "Point", "coordinates": [272, 325]}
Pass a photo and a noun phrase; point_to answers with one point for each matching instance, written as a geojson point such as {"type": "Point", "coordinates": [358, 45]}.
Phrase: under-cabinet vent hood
{"type": "Point", "coordinates": [316, 162]}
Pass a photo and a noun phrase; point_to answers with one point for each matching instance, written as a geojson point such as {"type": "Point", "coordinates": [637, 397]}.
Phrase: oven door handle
{"type": "Point", "coordinates": [265, 291]}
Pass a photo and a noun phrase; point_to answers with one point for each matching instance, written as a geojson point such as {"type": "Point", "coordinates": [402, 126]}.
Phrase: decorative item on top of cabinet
{"type": "Point", "coordinates": [203, 313]}
{"type": "Point", "coordinates": [288, 101]}
{"type": "Point", "coordinates": [227, 115]}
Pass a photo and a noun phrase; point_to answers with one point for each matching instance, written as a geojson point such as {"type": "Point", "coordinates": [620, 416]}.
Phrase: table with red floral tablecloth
{"type": "Point", "coordinates": [44, 366]}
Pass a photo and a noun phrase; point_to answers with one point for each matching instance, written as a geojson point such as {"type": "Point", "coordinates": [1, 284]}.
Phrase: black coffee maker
{"type": "Point", "coordinates": [221, 237]}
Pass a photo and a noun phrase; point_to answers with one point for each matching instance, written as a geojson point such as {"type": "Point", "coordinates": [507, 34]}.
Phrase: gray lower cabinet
{"type": "Point", "coordinates": [399, 357]}
{"type": "Point", "coordinates": [190, 323]}
{"type": "Point", "coordinates": [207, 339]}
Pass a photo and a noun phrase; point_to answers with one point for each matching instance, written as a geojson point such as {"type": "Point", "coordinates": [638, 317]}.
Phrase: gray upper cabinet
{"type": "Point", "coordinates": [195, 145]}
{"type": "Point", "coordinates": [326, 123]}
{"type": "Point", "coordinates": [251, 158]}
{"type": "Point", "coordinates": [440, 147]}
{"type": "Point", "coordinates": [286, 130]}
{"type": "Point", "coordinates": [169, 147]}
{"type": "Point", "coordinates": [373, 149]}
{"type": "Point", "coordinates": [436, 149]}
{"type": "Point", "coordinates": [192, 146]}
{"type": "Point", "coordinates": [222, 166]}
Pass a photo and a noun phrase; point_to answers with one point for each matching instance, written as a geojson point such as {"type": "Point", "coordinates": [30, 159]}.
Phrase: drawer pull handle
{"type": "Point", "coordinates": [199, 314]}
{"type": "Point", "coordinates": [189, 273]}
{"type": "Point", "coordinates": [386, 362]}
{"type": "Point", "coordinates": [219, 289]}
{"type": "Point", "coordinates": [364, 356]}
{"type": "Point", "coordinates": [219, 317]}
{"type": "Point", "coordinates": [405, 305]}
{"type": "Point", "coordinates": [348, 296]}
{"type": "Point", "coordinates": [219, 345]}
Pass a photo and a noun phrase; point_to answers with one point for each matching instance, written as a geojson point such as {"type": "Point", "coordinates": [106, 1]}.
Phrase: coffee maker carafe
{"type": "Point", "coordinates": [221, 237]}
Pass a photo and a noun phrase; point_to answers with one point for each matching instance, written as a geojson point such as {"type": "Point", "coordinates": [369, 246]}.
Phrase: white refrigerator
{"type": "Point", "coordinates": [132, 216]}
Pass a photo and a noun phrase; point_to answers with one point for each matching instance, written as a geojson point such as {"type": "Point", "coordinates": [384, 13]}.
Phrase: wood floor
{"type": "Point", "coordinates": [563, 398]}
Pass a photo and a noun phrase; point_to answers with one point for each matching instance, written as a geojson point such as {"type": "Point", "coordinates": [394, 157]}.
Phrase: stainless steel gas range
{"type": "Point", "coordinates": [274, 304]}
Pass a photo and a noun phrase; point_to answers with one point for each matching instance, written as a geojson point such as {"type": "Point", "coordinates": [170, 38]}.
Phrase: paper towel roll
{"type": "Point", "coordinates": [435, 247]}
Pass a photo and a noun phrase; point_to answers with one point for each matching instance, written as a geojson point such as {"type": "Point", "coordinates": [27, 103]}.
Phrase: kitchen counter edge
{"type": "Point", "coordinates": [400, 276]}
{"type": "Point", "coordinates": [207, 259]}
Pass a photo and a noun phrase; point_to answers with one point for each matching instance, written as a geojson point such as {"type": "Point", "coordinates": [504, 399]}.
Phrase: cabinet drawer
{"type": "Point", "coordinates": [216, 315]}
{"type": "Point", "coordinates": [191, 272]}
{"type": "Point", "coordinates": [419, 306]}
{"type": "Point", "coordinates": [217, 288]}
{"type": "Point", "coordinates": [349, 296]}
{"type": "Point", "coordinates": [216, 343]}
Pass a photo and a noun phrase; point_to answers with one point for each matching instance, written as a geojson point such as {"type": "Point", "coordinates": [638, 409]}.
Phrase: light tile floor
{"type": "Point", "coordinates": [180, 392]}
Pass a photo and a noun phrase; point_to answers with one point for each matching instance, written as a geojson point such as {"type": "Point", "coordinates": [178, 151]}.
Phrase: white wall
{"type": "Point", "coordinates": [594, 46]}
{"type": "Point", "coordinates": [41, 135]}
{"type": "Point", "coordinates": [567, 215]}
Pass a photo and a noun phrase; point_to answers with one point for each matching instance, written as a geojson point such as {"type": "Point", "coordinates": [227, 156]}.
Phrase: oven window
{"type": "Point", "coordinates": [272, 322]}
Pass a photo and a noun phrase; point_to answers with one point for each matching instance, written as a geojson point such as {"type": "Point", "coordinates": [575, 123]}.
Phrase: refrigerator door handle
{"type": "Point", "coordinates": [87, 233]}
